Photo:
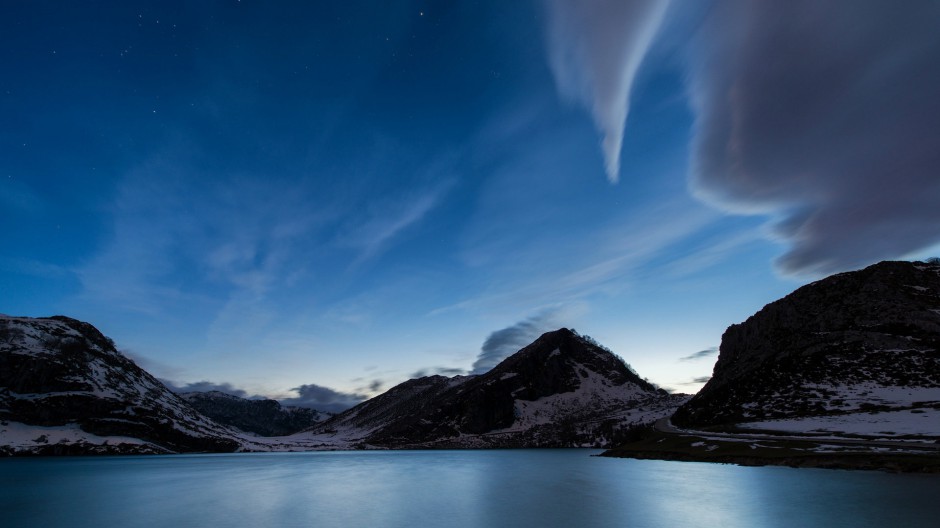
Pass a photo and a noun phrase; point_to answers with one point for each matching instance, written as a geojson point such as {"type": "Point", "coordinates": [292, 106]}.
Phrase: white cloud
{"type": "Point", "coordinates": [595, 49]}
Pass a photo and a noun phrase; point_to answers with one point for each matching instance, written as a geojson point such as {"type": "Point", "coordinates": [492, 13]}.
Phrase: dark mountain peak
{"type": "Point", "coordinates": [561, 333]}
{"type": "Point", "coordinates": [566, 350]}
{"type": "Point", "coordinates": [556, 338]}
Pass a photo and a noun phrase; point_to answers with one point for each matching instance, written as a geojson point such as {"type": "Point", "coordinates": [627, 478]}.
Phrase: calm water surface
{"type": "Point", "coordinates": [456, 489]}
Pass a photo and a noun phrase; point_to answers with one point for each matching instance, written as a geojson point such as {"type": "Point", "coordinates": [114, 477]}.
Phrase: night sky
{"type": "Point", "coordinates": [315, 201]}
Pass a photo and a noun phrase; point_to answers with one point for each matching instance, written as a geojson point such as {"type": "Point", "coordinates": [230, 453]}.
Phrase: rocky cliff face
{"type": "Point", "coordinates": [864, 340]}
{"type": "Point", "coordinates": [65, 389]}
{"type": "Point", "coordinates": [562, 390]}
{"type": "Point", "coordinates": [263, 417]}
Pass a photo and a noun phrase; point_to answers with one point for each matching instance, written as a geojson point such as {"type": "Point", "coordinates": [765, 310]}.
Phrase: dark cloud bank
{"type": "Point", "coordinates": [206, 386]}
{"type": "Point", "coordinates": [505, 342]}
{"type": "Point", "coordinates": [310, 396]}
{"type": "Point", "coordinates": [324, 398]}
{"type": "Point", "coordinates": [825, 114]}
{"type": "Point", "coordinates": [443, 371]}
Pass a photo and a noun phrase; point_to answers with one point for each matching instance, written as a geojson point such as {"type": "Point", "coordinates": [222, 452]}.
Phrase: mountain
{"type": "Point", "coordinates": [856, 353]}
{"type": "Point", "coordinates": [65, 389]}
{"type": "Point", "coordinates": [263, 417]}
{"type": "Point", "coordinates": [562, 390]}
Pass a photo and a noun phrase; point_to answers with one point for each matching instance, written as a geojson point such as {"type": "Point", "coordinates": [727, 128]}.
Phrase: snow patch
{"type": "Point", "coordinates": [595, 397]}
{"type": "Point", "coordinates": [853, 397]}
{"type": "Point", "coordinates": [22, 437]}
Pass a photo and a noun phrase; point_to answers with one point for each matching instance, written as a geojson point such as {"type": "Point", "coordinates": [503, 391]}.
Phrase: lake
{"type": "Point", "coordinates": [456, 489]}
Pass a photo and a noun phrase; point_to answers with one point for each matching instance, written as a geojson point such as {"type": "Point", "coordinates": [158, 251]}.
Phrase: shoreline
{"type": "Point", "coordinates": [795, 452]}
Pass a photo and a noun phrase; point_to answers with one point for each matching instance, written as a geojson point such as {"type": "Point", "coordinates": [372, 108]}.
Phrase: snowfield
{"type": "Point", "coordinates": [924, 423]}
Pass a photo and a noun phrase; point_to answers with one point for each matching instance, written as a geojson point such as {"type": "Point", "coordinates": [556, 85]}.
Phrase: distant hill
{"type": "Point", "coordinates": [856, 348]}
{"type": "Point", "coordinates": [263, 417]}
{"type": "Point", "coordinates": [561, 390]}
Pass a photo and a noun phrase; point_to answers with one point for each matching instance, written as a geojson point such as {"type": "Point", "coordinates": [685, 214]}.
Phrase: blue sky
{"type": "Point", "coordinates": [282, 198]}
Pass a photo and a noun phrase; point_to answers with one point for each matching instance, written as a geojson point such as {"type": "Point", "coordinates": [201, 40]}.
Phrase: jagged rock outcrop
{"type": "Point", "coordinates": [863, 340]}
{"type": "Point", "coordinates": [65, 389]}
{"type": "Point", "coordinates": [561, 390]}
{"type": "Point", "coordinates": [263, 417]}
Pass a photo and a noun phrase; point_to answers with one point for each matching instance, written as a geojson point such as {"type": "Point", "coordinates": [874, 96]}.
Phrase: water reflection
{"type": "Point", "coordinates": [457, 489]}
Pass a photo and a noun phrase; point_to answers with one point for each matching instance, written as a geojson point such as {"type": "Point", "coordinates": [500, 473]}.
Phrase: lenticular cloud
{"type": "Point", "coordinates": [823, 114]}
{"type": "Point", "coordinates": [595, 49]}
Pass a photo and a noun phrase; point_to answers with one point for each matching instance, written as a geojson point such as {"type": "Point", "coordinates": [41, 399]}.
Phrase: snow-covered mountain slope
{"type": "Point", "coordinates": [856, 348]}
{"type": "Point", "coordinates": [263, 417]}
{"type": "Point", "coordinates": [65, 389]}
{"type": "Point", "coordinates": [561, 390]}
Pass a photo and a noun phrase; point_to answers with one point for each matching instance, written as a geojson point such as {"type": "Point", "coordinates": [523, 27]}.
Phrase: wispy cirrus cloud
{"type": "Point", "coordinates": [384, 221]}
{"type": "Point", "coordinates": [604, 263]}
{"type": "Point", "coordinates": [18, 196]}
{"type": "Point", "coordinates": [708, 252]}
{"type": "Point", "coordinates": [34, 268]}
{"type": "Point", "coordinates": [237, 236]}
{"type": "Point", "coordinates": [701, 354]}
{"type": "Point", "coordinates": [595, 48]}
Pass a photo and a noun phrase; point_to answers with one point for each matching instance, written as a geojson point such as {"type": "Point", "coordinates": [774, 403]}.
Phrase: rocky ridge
{"type": "Point", "coordinates": [843, 349]}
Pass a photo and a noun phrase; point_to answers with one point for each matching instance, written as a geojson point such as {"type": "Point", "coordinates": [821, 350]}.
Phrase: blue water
{"type": "Point", "coordinates": [456, 489]}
